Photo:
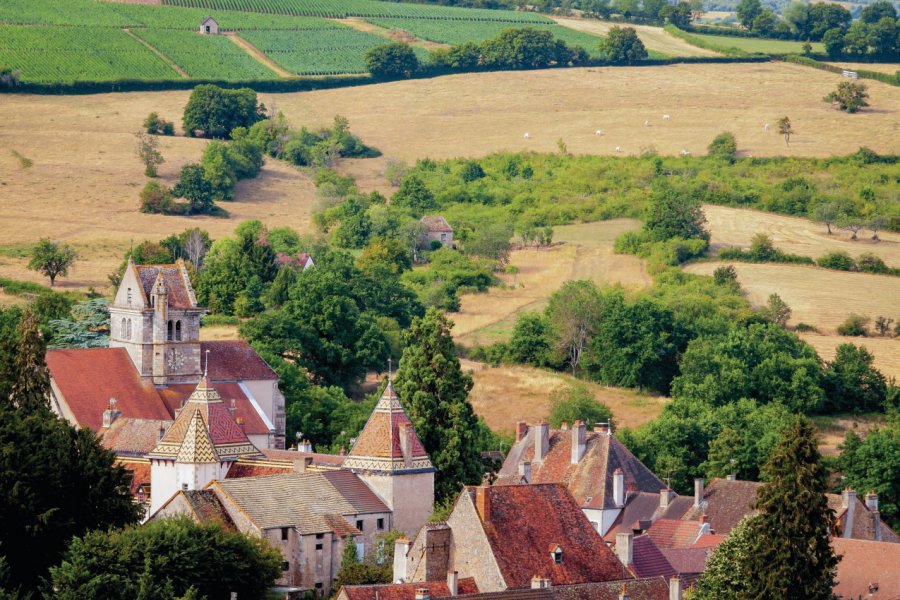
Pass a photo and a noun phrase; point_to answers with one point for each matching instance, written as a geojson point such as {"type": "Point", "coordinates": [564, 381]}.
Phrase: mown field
{"type": "Point", "coordinates": [655, 39]}
{"type": "Point", "coordinates": [755, 45]}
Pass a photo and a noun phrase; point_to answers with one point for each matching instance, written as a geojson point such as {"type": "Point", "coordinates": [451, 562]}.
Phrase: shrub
{"type": "Point", "coordinates": [577, 403]}
{"type": "Point", "coordinates": [869, 263]}
{"type": "Point", "coordinates": [435, 245]}
{"type": "Point", "coordinates": [725, 275]}
{"type": "Point", "coordinates": [840, 261]}
{"type": "Point", "coordinates": [805, 327]}
{"type": "Point", "coordinates": [723, 147]}
{"type": "Point", "coordinates": [158, 126]}
{"type": "Point", "coordinates": [849, 96]}
{"type": "Point", "coordinates": [394, 60]}
{"type": "Point", "coordinates": [854, 325]}
{"type": "Point", "coordinates": [156, 199]}
{"type": "Point", "coordinates": [216, 111]}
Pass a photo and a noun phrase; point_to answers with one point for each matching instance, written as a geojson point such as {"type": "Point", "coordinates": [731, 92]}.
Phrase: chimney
{"type": "Point", "coordinates": [578, 442]}
{"type": "Point", "coordinates": [521, 430]}
{"type": "Point", "coordinates": [162, 432]}
{"type": "Point", "coordinates": [698, 491]}
{"type": "Point", "coordinates": [301, 465]}
{"type": "Point", "coordinates": [422, 594]}
{"type": "Point", "coordinates": [525, 471]}
{"type": "Point", "coordinates": [602, 428]}
{"type": "Point", "coordinates": [232, 407]}
{"type": "Point", "coordinates": [305, 446]}
{"type": "Point", "coordinates": [625, 548]}
{"type": "Point", "coordinates": [401, 547]}
{"type": "Point", "coordinates": [564, 426]}
{"type": "Point", "coordinates": [483, 502]}
{"type": "Point", "coordinates": [407, 441]}
{"type": "Point", "coordinates": [110, 414]}
{"type": "Point", "coordinates": [453, 582]}
{"type": "Point", "coordinates": [872, 501]}
{"type": "Point", "coordinates": [675, 588]}
{"type": "Point", "coordinates": [665, 497]}
{"type": "Point", "coordinates": [876, 525]}
{"type": "Point", "coordinates": [848, 498]}
{"type": "Point", "coordinates": [541, 441]}
{"type": "Point", "coordinates": [623, 595]}
{"type": "Point", "coordinates": [619, 487]}
{"type": "Point", "coordinates": [731, 477]}
{"type": "Point", "coordinates": [240, 422]}
{"type": "Point", "coordinates": [540, 583]}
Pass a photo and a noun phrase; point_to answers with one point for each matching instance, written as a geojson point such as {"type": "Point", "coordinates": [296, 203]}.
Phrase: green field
{"type": "Point", "coordinates": [754, 45]}
{"type": "Point", "coordinates": [49, 54]}
{"type": "Point", "coordinates": [205, 56]}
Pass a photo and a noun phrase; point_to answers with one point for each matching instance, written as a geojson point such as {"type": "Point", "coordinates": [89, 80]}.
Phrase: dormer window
{"type": "Point", "coordinates": [556, 554]}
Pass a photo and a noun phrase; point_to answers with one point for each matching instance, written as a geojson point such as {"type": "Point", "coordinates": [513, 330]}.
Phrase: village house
{"type": "Point", "coordinates": [155, 360]}
{"type": "Point", "coordinates": [209, 26]}
{"type": "Point", "coordinates": [599, 472]}
{"type": "Point", "coordinates": [301, 261]}
{"type": "Point", "coordinates": [437, 229]}
{"type": "Point", "coordinates": [430, 590]}
{"type": "Point", "coordinates": [504, 536]}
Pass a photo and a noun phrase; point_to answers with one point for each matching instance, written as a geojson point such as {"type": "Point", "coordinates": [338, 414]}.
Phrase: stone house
{"type": "Point", "coordinates": [437, 229]}
{"type": "Point", "coordinates": [209, 26]}
{"type": "Point", "coordinates": [602, 475]}
{"type": "Point", "coordinates": [505, 536]}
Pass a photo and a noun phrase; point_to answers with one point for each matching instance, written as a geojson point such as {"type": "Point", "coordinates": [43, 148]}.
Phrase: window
{"type": "Point", "coordinates": [124, 330]}
{"type": "Point", "coordinates": [129, 296]}
{"type": "Point", "coordinates": [128, 330]}
{"type": "Point", "coordinates": [360, 550]}
{"type": "Point", "coordinates": [207, 29]}
{"type": "Point", "coordinates": [319, 586]}
{"type": "Point", "coordinates": [284, 533]}
{"type": "Point", "coordinates": [285, 566]}
{"type": "Point", "coordinates": [153, 301]}
{"type": "Point", "coordinates": [169, 331]}
{"type": "Point", "coordinates": [359, 524]}
{"type": "Point", "coordinates": [380, 524]}
{"type": "Point", "coordinates": [177, 331]}
{"type": "Point", "coordinates": [557, 555]}
{"type": "Point", "coordinates": [318, 546]}
{"type": "Point", "coordinates": [319, 536]}
{"type": "Point", "coordinates": [184, 487]}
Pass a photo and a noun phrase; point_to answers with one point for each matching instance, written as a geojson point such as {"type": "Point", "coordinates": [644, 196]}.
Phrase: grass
{"type": "Point", "coordinates": [506, 394]}
{"type": "Point", "coordinates": [13, 287]}
{"type": "Point", "coordinates": [655, 39]}
{"type": "Point", "coordinates": [753, 45]}
{"type": "Point", "coordinates": [19, 251]}
{"type": "Point", "coordinates": [23, 161]}
{"type": "Point", "coordinates": [887, 68]}
{"type": "Point", "coordinates": [885, 350]}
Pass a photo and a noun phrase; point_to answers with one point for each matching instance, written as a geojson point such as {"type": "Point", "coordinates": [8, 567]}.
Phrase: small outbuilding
{"type": "Point", "coordinates": [437, 229]}
{"type": "Point", "coordinates": [209, 26]}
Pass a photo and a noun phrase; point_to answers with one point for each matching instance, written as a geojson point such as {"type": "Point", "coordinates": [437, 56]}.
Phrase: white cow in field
{"type": "Point", "coordinates": [685, 152]}
{"type": "Point", "coordinates": [647, 123]}
{"type": "Point", "coordinates": [526, 135]}
{"type": "Point", "coordinates": [618, 148]}
{"type": "Point", "coordinates": [667, 117]}
{"type": "Point", "coordinates": [766, 127]}
{"type": "Point", "coordinates": [598, 132]}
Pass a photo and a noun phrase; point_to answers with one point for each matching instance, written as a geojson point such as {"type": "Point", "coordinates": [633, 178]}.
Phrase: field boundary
{"type": "Point", "coordinates": [258, 55]}
{"type": "Point", "coordinates": [815, 64]}
{"type": "Point", "coordinates": [157, 52]}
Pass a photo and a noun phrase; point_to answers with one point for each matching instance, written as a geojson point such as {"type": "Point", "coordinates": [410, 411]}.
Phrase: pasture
{"type": "Point", "coordinates": [885, 350]}
{"type": "Point", "coordinates": [755, 45]}
{"type": "Point", "coordinates": [506, 394]}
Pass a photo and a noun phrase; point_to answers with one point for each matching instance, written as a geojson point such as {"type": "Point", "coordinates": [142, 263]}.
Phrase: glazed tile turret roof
{"type": "Point", "coordinates": [204, 431]}
{"type": "Point", "coordinates": [388, 442]}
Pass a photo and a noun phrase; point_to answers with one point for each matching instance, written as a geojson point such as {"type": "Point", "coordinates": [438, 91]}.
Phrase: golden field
{"type": "Point", "coordinates": [654, 38]}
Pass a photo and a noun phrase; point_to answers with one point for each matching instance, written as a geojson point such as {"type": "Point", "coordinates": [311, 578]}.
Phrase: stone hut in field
{"type": "Point", "coordinates": [437, 229]}
{"type": "Point", "coordinates": [209, 26]}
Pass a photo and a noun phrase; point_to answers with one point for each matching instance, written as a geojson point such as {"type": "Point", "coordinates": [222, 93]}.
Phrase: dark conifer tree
{"type": "Point", "coordinates": [31, 388]}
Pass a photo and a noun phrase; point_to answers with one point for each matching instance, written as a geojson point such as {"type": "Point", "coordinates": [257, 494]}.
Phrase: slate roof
{"type": "Point", "coordinates": [857, 522]}
{"type": "Point", "coordinates": [204, 431]}
{"type": "Point", "coordinates": [590, 481]}
{"type": "Point", "coordinates": [317, 504]}
{"type": "Point", "coordinates": [378, 447]}
{"type": "Point", "coordinates": [175, 277]}
{"type": "Point", "coordinates": [235, 360]}
{"type": "Point", "coordinates": [525, 520]}
{"type": "Point", "coordinates": [436, 223]}
{"type": "Point", "coordinates": [674, 533]}
{"type": "Point", "coordinates": [648, 560]}
{"type": "Point", "coordinates": [406, 591]}
{"type": "Point", "coordinates": [863, 563]}
{"type": "Point", "coordinates": [652, 588]}
{"type": "Point", "coordinates": [133, 437]}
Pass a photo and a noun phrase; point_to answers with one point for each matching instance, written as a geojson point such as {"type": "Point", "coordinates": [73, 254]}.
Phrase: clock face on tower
{"type": "Point", "coordinates": [174, 359]}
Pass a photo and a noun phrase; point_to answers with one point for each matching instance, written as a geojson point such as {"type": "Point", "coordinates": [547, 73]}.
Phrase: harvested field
{"type": "Point", "coordinates": [832, 429]}
{"type": "Point", "coordinates": [889, 68]}
{"type": "Point", "coordinates": [654, 38]}
{"type": "Point", "coordinates": [816, 296]}
{"type": "Point", "coordinates": [507, 394]}
{"type": "Point", "coordinates": [737, 226]}
{"type": "Point", "coordinates": [886, 350]}
{"type": "Point", "coordinates": [585, 252]}
{"type": "Point", "coordinates": [219, 332]}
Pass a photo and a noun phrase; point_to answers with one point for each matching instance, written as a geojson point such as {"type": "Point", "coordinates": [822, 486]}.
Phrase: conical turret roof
{"type": "Point", "coordinates": [204, 431]}
{"type": "Point", "coordinates": [388, 443]}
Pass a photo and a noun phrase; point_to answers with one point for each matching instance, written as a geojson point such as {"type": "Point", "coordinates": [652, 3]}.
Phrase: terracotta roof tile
{"type": "Point", "coordinates": [324, 460]}
{"type": "Point", "coordinates": [134, 437]}
{"type": "Point", "coordinates": [652, 588]}
{"type": "Point", "coordinates": [176, 395]}
{"type": "Point", "coordinates": [89, 377]}
{"type": "Point", "coordinates": [674, 533]}
{"type": "Point", "coordinates": [863, 563]}
{"type": "Point", "coordinates": [519, 532]}
{"type": "Point", "coordinates": [139, 470]}
{"type": "Point", "coordinates": [725, 502]}
{"type": "Point", "coordinates": [407, 591]}
{"type": "Point", "coordinates": [648, 560]}
{"type": "Point", "coordinates": [686, 561]}
{"type": "Point", "coordinates": [180, 294]}
{"type": "Point", "coordinates": [250, 468]}
{"type": "Point", "coordinates": [235, 360]}
{"type": "Point", "coordinates": [709, 540]}
{"type": "Point", "coordinates": [436, 223]}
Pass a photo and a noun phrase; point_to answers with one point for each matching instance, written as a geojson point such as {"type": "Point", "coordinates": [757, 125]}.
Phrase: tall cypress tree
{"type": "Point", "coordinates": [434, 391]}
{"type": "Point", "coordinates": [31, 388]}
{"type": "Point", "coordinates": [791, 554]}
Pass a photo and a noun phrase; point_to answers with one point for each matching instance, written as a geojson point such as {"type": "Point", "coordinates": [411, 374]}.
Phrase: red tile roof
{"type": "Point", "coordinates": [235, 360]}
{"type": "Point", "coordinates": [686, 561]}
{"type": "Point", "coordinates": [648, 560]}
{"type": "Point", "coordinates": [291, 456]}
{"type": "Point", "coordinates": [590, 481]}
{"type": "Point", "coordinates": [140, 473]}
{"type": "Point", "coordinates": [857, 522]}
{"type": "Point", "coordinates": [176, 281]}
{"type": "Point", "coordinates": [436, 223]}
{"type": "Point", "coordinates": [725, 503]}
{"type": "Point", "coordinates": [864, 563]}
{"type": "Point", "coordinates": [134, 437]}
{"type": "Point", "coordinates": [709, 540]}
{"type": "Point", "coordinates": [674, 533]}
{"type": "Point", "coordinates": [524, 520]}
{"type": "Point", "coordinates": [174, 396]}
{"type": "Point", "coordinates": [89, 377]}
{"type": "Point", "coordinates": [207, 507]}
{"type": "Point", "coordinates": [652, 588]}
{"type": "Point", "coordinates": [405, 591]}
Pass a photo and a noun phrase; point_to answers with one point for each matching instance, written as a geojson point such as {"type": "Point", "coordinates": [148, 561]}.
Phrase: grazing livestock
{"type": "Point", "coordinates": [766, 127]}
{"type": "Point", "coordinates": [685, 152]}
{"type": "Point", "coordinates": [618, 148]}
{"type": "Point", "coordinates": [646, 123]}
{"type": "Point", "coordinates": [667, 117]}
{"type": "Point", "coordinates": [598, 132]}
{"type": "Point", "coordinates": [526, 135]}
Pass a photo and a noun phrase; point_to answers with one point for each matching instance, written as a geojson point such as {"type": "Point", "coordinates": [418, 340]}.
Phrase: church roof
{"type": "Point", "coordinates": [235, 360]}
{"type": "Point", "coordinates": [204, 431]}
{"type": "Point", "coordinates": [388, 442]}
{"type": "Point", "coordinates": [175, 278]}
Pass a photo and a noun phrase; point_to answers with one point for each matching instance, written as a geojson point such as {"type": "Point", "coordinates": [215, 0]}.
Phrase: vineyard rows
{"type": "Point", "coordinates": [316, 52]}
{"type": "Point", "coordinates": [205, 56]}
{"type": "Point", "coordinates": [362, 8]}
{"type": "Point", "coordinates": [50, 54]}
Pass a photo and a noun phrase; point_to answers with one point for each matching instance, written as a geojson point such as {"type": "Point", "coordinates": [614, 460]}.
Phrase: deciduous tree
{"type": "Point", "coordinates": [849, 96]}
{"type": "Point", "coordinates": [574, 313]}
{"type": "Point", "coordinates": [785, 129]}
{"type": "Point", "coordinates": [393, 60]}
{"type": "Point", "coordinates": [52, 259]}
{"type": "Point", "coordinates": [622, 46]}
{"type": "Point", "coordinates": [148, 151]}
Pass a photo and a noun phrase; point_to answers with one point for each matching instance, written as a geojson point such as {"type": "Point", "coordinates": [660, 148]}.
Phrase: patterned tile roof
{"type": "Point", "coordinates": [523, 521]}
{"type": "Point", "coordinates": [176, 395]}
{"type": "Point", "coordinates": [176, 281]}
{"type": "Point", "coordinates": [648, 560]}
{"type": "Point", "coordinates": [317, 505]}
{"type": "Point", "coordinates": [436, 223]}
{"type": "Point", "coordinates": [88, 377]}
{"type": "Point", "coordinates": [204, 417]}
{"type": "Point", "coordinates": [652, 588]}
{"type": "Point", "coordinates": [674, 533]}
{"type": "Point", "coordinates": [863, 563]}
{"type": "Point", "coordinates": [134, 437]}
{"type": "Point", "coordinates": [406, 591]}
{"type": "Point", "coordinates": [590, 481]}
{"type": "Point", "coordinates": [380, 445]}
{"type": "Point", "coordinates": [235, 360]}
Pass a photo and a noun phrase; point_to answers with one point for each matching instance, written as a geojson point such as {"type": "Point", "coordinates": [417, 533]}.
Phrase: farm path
{"type": "Point", "coordinates": [259, 57]}
{"type": "Point", "coordinates": [155, 51]}
{"type": "Point", "coordinates": [397, 35]}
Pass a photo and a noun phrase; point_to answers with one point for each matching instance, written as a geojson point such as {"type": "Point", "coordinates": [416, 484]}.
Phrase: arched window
{"type": "Point", "coordinates": [169, 331]}
{"type": "Point", "coordinates": [177, 331]}
{"type": "Point", "coordinates": [128, 330]}
{"type": "Point", "coordinates": [124, 331]}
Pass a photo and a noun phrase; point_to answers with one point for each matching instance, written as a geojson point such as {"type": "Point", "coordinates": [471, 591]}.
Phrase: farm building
{"type": "Point", "coordinates": [209, 26]}
{"type": "Point", "coordinates": [437, 229]}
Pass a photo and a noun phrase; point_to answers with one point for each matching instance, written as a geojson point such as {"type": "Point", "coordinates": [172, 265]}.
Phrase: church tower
{"type": "Point", "coordinates": [389, 457]}
{"type": "Point", "coordinates": [155, 317]}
